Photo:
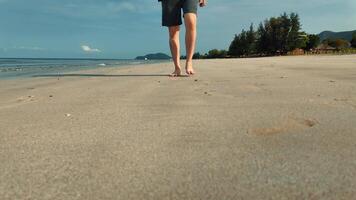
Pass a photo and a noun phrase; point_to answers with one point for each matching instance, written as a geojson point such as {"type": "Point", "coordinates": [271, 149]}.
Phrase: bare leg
{"type": "Point", "coordinates": [175, 48]}
{"type": "Point", "coordinates": [190, 20]}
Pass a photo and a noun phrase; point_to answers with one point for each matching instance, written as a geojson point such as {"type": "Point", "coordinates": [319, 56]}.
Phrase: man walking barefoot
{"type": "Point", "coordinates": [172, 18]}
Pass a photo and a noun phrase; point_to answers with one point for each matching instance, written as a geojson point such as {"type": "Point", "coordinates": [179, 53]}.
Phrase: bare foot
{"type": "Point", "coordinates": [177, 72]}
{"type": "Point", "coordinates": [189, 68]}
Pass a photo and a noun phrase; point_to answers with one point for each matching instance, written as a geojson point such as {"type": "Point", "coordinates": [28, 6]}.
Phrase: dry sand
{"type": "Point", "coordinates": [266, 128]}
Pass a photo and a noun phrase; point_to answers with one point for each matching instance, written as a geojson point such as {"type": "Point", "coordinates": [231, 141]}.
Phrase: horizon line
{"type": "Point", "coordinates": [68, 58]}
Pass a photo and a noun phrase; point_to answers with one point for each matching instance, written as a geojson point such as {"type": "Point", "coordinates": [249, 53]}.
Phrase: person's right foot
{"type": "Point", "coordinates": [189, 68]}
{"type": "Point", "coordinates": [177, 72]}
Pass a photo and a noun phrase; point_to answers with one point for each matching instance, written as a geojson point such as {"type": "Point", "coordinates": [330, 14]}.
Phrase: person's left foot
{"type": "Point", "coordinates": [189, 68]}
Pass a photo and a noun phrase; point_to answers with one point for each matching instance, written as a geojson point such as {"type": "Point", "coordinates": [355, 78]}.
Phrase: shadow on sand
{"type": "Point", "coordinates": [105, 75]}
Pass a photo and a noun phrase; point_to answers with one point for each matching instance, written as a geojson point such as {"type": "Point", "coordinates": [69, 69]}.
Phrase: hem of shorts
{"type": "Point", "coordinates": [169, 25]}
{"type": "Point", "coordinates": [195, 12]}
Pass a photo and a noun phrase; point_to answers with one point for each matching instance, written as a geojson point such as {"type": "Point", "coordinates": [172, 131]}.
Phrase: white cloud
{"type": "Point", "coordinates": [29, 48]}
{"type": "Point", "coordinates": [87, 48]}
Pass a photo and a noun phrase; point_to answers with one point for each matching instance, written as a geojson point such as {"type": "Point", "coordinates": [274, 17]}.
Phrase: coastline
{"type": "Point", "coordinates": [17, 68]}
{"type": "Point", "coordinates": [273, 127]}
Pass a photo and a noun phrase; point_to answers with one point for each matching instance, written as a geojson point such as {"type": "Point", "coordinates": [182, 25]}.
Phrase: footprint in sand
{"type": "Point", "coordinates": [26, 98]}
{"type": "Point", "coordinates": [344, 101]}
{"type": "Point", "coordinates": [309, 122]}
{"type": "Point", "coordinates": [290, 124]}
{"type": "Point", "coordinates": [207, 93]}
{"type": "Point", "coordinates": [266, 131]}
{"type": "Point", "coordinates": [341, 99]}
{"type": "Point", "coordinates": [250, 88]}
{"type": "Point", "coordinates": [352, 102]}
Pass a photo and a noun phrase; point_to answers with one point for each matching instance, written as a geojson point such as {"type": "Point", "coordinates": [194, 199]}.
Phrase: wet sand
{"type": "Point", "coordinates": [264, 128]}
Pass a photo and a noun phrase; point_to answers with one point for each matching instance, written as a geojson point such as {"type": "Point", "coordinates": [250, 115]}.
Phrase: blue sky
{"type": "Point", "coordinates": [127, 28]}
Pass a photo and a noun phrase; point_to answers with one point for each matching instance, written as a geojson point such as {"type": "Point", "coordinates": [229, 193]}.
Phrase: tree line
{"type": "Point", "coordinates": [275, 36]}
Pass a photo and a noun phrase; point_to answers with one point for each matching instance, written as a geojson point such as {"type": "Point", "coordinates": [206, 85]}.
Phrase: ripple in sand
{"type": "Point", "coordinates": [290, 125]}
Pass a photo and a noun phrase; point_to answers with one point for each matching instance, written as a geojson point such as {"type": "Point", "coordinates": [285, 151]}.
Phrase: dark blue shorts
{"type": "Point", "coordinates": [172, 11]}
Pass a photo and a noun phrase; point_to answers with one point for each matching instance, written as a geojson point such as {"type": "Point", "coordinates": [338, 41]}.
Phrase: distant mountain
{"type": "Point", "coordinates": [157, 56]}
{"type": "Point", "coordinates": [347, 35]}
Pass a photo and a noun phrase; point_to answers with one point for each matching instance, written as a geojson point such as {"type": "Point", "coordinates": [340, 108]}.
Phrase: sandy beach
{"type": "Point", "coordinates": [259, 128]}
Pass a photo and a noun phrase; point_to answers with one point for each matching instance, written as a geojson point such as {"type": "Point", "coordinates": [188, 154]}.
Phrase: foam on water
{"type": "Point", "coordinates": [29, 67]}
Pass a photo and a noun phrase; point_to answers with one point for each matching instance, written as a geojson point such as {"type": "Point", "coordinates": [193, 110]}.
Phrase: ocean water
{"type": "Point", "coordinates": [30, 67]}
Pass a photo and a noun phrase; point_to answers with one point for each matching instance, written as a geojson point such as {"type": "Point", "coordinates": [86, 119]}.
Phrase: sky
{"type": "Point", "coordinates": [128, 28]}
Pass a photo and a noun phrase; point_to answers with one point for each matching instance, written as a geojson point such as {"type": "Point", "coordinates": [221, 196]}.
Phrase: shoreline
{"type": "Point", "coordinates": [30, 70]}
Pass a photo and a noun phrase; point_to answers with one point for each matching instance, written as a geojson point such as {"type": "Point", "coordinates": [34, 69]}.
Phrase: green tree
{"type": "Point", "coordinates": [273, 42]}
{"type": "Point", "coordinates": [250, 41]}
{"type": "Point", "coordinates": [237, 45]}
{"type": "Point", "coordinates": [302, 40]}
{"type": "Point", "coordinates": [262, 39]}
{"type": "Point", "coordinates": [276, 35]}
{"type": "Point", "coordinates": [223, 53]}
{"type": "Point", "coordinates": [353, 40]}
{"type": "Point", "coordinates": [234, 46]}
{"type": "Point", "coordinates": [271, 39]}
{"type": "Point", "coordinates": [295, 40]}
{"type": "Point", "coordinates": [215, 53]}
{"type": "Point", "coordinates": [341, 44]}
{"type": "Point", "coordinates": [337, 43]}
{"type": "Point", "coordinates": [197, 56]}
{"type": "Point", "coordinates": [285, 26]}
{"type": "Point", "coordinates": [243, 44]}
{"type": "Point", "coordinates": [312, 42]}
